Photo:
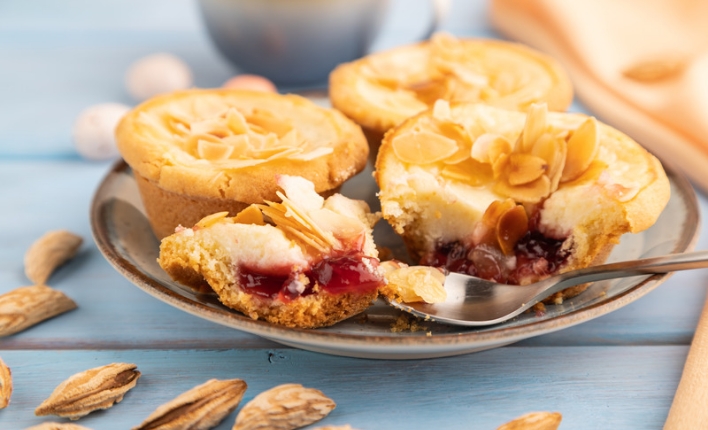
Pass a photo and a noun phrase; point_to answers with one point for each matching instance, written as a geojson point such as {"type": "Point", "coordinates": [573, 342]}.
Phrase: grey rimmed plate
{"type": "Point", "coordinates": [122, 233]}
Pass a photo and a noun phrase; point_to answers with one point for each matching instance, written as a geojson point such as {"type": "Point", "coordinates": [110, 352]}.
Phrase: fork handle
{"type": "Point", "coordinates": [646, 266]}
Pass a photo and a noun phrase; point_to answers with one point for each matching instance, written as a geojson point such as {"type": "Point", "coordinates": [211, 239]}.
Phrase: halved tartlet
{"type": "Point", "coordinates": [381, 90]}
{"type": "Point", "coordinates": [515, 197]}
{"type": "Point", "coordinates": [199, 152]}
{"type": "Point", "coordinates": [306, 262]}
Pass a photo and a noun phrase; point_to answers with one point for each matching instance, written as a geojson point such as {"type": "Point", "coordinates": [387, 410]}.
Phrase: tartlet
{"type": "Point", "coordinates": [515, 197]}
{"type": "Point", "coordinates": [381, 90]}
{"type": "Point", "coordinates": [199, 152]}
{"type": "Point", "coordinates": [306, 262]}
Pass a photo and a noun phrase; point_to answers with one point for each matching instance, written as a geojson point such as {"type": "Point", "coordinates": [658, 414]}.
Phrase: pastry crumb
{"type": "Point", "coordinates": [407, 323]}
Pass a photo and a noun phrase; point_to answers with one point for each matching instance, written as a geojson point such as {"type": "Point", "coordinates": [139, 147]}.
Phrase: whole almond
{"type": "Point", "coordinates": [534, 421]}
{"type": "Point", "coordinates": [26, 306]}
{"type": "Point", "coordinates": [5, 385]}
{"type": "Point", "coordinates": [200, 408]}
{"type": "Point", "coordinates": [57, 426]}
{"type": "Point", "coordinates": [344, 427]}
{"type": "Point", "coordinates": [91, 390]}
{"type": "Point", "coordinates": [284, 407]}
{"type": "Point", "coordinates": [49, 252]}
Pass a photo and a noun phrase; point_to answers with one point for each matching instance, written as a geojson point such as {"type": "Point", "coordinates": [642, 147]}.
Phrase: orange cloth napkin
{"type": "Point", "coordinates": [639, 65]}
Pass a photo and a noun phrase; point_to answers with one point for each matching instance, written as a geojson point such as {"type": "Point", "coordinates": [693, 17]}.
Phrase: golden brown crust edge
{"type": "Point", "coordinates": [312, 311]}
{"type": "Point", "coordinates": [593, 247]}
{"type": "Point", "coordinates": [251, 184]}
{"type": "Point", "coordinates": [344, 97]}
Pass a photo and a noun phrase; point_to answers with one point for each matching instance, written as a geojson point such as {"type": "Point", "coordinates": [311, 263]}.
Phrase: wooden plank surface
{"type": "Point", "coordinates": [593, 387]}
{"type": "Point", "coordinates": [617, 371]}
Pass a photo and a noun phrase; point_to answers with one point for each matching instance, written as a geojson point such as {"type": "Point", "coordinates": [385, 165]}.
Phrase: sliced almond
{"type": "Point", "coordinates": [49, 252]}
{"type": "Point", "coordinates": [24, 307]}
{"type": "Point", "coordinates": [441, 110]}
{"type": "Point", "coordinates": [212, 219]}
{"type": "Point", "coordinates": [269, 121]}
{"type": "Point", "coordinates": [583, 146]}
{"type": "Point", "coordinates": [422, 147]}
{"type": "Point", "coordinates": [430, 91]}
{"type": "Point", "coordinates": [5, 385]}
{"type": "Point", "coordinates": [488, 147]}
{"type": "Point", "coordinates": [236, 122]}
{"type": "Point", "coordinates": [213, 151]}
{"type": "Point", "coordinates": [251, 215]}
{"type": "Point", "coordinates": [525, 168]}
{"type": "Point", "coordinates": [535, 125]}
{"type": "Point", "coordinates": [532, 192]}
{"type": "Point", "coordinates": [534, 421]}
{"type": "Point", "coordinates": [499, 166]}
{"type": "Point", "coordinates": [554, 150]}
{"type": "Point", "coordinates": [512, 226]}
{"type": "Point", "coordinates": [287, 406]}
{"type": "Point", "coordinates": [469, 171]}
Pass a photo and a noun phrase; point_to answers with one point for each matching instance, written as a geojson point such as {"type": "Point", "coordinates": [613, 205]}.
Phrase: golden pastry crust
{"type": "Point", "coordinates": [220, 149]}
{"type": "Point", "coordinates": [381, 90]}
{"type": "Point", "coordinates": [618, 188]}
{"type": "Point", "coordinates": [311, 265]}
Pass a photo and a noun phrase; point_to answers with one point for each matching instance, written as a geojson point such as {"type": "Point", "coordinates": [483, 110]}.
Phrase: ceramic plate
{"type": "Point", "coordinates": [123, 235]}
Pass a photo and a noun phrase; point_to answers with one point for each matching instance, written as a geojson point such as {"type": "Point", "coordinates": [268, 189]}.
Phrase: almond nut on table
{"type": "Point", "coordinates": [57, 426]}
{"type": "Point", "coordinates": [200, 408]}
{"type": "Point", "coordinates": [49, 252]}
{"type": "Point", "coordinates": [5, 385]}
{"type": "Point", "coordinates": [24, 307]}
{"type": "Point", "coordinates": [534, 421]}
{"type": "Point", "coordinates": [285, 407]}
{"type": "Point", "coordinates": [90, 390]}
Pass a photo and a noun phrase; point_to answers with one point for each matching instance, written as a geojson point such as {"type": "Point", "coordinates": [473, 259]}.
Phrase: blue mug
{"type": "Point", "coordinates": [297, 42]}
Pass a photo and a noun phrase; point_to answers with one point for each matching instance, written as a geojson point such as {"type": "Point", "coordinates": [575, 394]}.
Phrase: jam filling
{"type": "Point", "coordinates": [350, 273]}
{"type": "Point", "coordinates": [537, 257]}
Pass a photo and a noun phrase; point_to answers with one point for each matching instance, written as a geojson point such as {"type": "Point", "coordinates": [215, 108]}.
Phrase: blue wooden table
{"type": "Point", "coordinates": [619, 371]}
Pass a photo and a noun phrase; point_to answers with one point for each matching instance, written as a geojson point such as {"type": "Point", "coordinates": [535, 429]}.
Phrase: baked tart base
{"type": "Point", "coordinates": [198, 152]}
{"type": "Point", "coordinates": [381, 90]}
{"type": "Point", "coordinates": [515, 197]}
{"type": "Point", "coordinates": [306, 262]}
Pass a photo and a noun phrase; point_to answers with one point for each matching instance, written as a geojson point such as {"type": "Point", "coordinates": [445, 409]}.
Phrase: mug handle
{"type": "Point", "coordinates": [440, 11]}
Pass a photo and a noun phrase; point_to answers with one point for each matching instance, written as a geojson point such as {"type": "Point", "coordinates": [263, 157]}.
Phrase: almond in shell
{"type": "Point", "coordinates": [285, 407]}
{"type": "Point", "coordinates": [24, 307]}
{"type": "Point", "coordinates": [5, 385]}
{"type": "Point", "coordinates": [200, 408]}
{"type": "Point", "coordinates": [90, 390]}
{"type": "Point", "coordinates": [49, 252]}
{"type": "Point", "coordinates": [534, 421]}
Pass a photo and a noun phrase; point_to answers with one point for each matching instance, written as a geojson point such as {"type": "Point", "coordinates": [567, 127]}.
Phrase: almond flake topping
{"type": "Point", "coordinates": [528, 170]}
{"type": "Point", "coordinates": [306, 218]}
{"type": "Point", "coordinates": [411, 284]}
{"type": "Point", "coordinates": [214, 131]}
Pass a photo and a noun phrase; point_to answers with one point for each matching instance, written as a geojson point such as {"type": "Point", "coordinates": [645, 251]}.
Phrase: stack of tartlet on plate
{"type": "Point", "coordinates": [475, 173]}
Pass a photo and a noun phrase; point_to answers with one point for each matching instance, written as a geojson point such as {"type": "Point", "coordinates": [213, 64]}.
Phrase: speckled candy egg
{"type": "Point", "coordinates": [94, 131]}
{"type": "Point", "coordinates": [157, 74]}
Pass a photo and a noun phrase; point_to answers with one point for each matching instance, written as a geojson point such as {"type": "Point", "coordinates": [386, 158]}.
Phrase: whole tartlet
{"type": "Point", "coordinates": [197, 152]}
{"type": "Point", "coordinates": [381, 90]}
{"type": "Point", "coordinates": [306, 262]}
{"type": "Point", "coordinates": [515, 197]}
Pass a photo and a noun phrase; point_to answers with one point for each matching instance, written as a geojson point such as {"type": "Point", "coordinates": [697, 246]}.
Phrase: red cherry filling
{"type": "Point", "coordinates": [537, 257]}
{"type": "Point", "coordinates": [351, 273]}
